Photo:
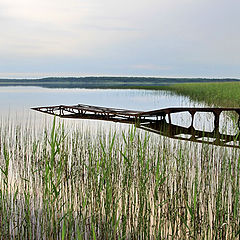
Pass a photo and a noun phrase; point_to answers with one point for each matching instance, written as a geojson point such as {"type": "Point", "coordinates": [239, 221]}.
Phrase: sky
{"type": "Point", "coordinates": [166, 38]}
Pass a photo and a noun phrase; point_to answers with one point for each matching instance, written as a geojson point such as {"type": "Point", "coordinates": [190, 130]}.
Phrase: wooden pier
{"type": "Point", "coordinates": [154, 121]}
{"type": "Point", "coordinates": [92, 112]}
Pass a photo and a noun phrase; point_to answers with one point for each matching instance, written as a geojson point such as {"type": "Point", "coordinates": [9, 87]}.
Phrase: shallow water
{"type": "Point", "coordinates": [15, 104]}
{"type": "Point", "coordinates": [22, 98]}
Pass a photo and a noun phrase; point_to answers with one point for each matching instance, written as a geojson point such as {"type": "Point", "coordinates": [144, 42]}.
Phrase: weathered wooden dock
{"type": "Point", "coordinates": [87, 111]}
{"type": "Point", "coordinates": [154, 121]}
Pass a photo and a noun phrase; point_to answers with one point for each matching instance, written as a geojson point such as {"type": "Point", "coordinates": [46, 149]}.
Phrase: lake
{"type": "Point", "coordinates": [22, 98]}
{"type": "Point", "coordinates": [17, 101]}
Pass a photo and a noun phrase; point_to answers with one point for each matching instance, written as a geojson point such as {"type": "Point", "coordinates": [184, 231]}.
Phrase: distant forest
{"type": "Point", "coordinates": [105, 82]}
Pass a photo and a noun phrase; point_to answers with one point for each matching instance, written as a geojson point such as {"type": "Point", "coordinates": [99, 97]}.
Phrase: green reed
{"type": "Point", "coordinates": [224, 94]}
{"type": "Point", "coordinates": [72, 184]}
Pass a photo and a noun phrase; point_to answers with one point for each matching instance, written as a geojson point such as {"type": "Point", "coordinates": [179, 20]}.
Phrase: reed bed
{"type": "Point", "coordinates": [224, 94]}
{"type": "Point", "coordinates": [60, 184]}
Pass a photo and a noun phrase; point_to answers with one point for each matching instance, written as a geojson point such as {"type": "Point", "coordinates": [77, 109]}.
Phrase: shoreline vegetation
{"type": "Point", "coordinates": [224, 94]}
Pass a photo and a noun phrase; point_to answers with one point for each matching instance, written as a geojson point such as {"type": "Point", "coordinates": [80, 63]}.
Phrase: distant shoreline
{"type": "Point", "coordinates": [107, 82]}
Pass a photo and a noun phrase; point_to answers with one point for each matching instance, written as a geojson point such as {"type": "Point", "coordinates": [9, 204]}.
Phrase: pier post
{"type": "Point", "coordinates": [60, 111]}
{"type": "Point", "coordinates": [192, 114]}
{"type": "Point", "coordinates": [238, 123]}
{"type": "Point", "coordinates": [169, 118]}
{"type": "Point", "coordinates": [216, 120]}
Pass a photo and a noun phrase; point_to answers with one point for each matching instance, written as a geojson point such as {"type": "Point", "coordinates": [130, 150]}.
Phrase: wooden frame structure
{"type": "Point", "coordinates": [154, 121]}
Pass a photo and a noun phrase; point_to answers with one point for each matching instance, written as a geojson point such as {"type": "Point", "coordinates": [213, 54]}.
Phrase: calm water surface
{"type": "Point", "coordinates": [15, 103]}
{"type": "Point", "coordinates": [22, 98]}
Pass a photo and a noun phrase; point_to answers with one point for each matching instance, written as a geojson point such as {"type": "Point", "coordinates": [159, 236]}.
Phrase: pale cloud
{"type": "Point", "coordinates": [50, 28]}
{"type": "Point", "coordinates": [113, 36]}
